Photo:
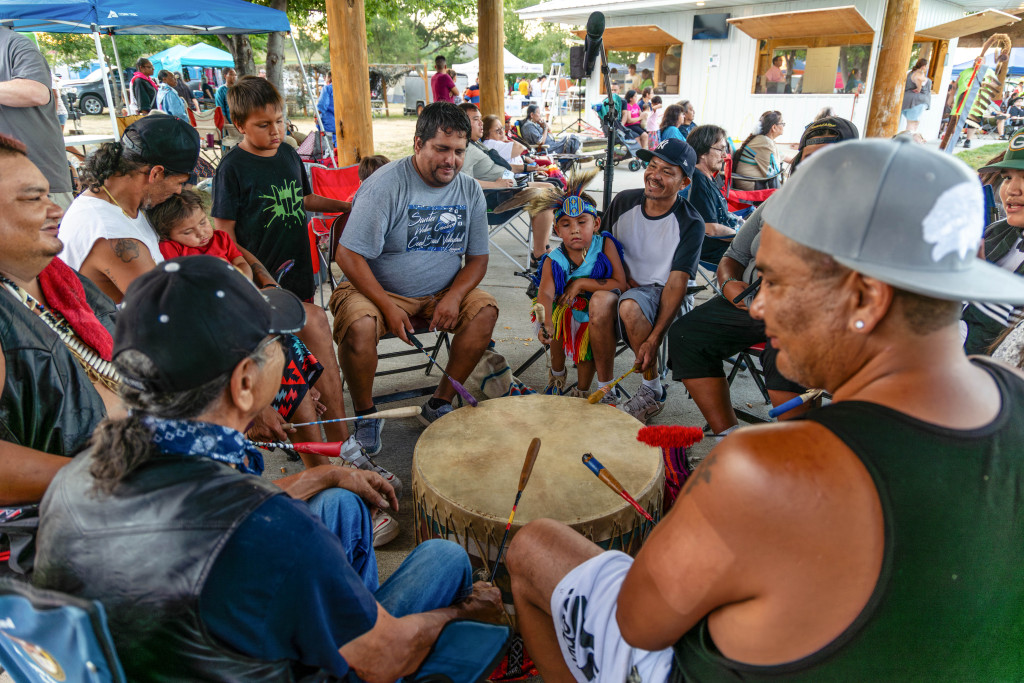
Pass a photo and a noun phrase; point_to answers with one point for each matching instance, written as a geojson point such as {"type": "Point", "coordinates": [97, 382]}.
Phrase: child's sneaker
{"type": "Point", "coordinates": [645, 403]}
{"type": "Point", "coordinates": [354, 455]}
{"type": "Point", "coordinates": [556, 384]}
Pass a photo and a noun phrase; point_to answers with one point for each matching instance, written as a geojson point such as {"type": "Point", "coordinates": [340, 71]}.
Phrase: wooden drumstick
{"type": "Point", "coordinates": [524, 476]}
{"type": "Point", "coordinates": [604, 475]}
{"type": "Point", "coordinates": [395, 413]}
{"type": "Point", "coordinates": [456, 385]}
{"type": "Point", "coordinates": [541, 316]}
{"type": "Point", "coordinates": [599, 394]}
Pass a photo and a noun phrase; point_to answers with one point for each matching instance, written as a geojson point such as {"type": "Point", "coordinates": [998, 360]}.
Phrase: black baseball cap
{"type": "Point", "coordinates": [196, 318]}
{"type": "Point", "coordinates": [163, 141]}
{"type": "Point", "coordinates": [826, 130]}
{"type": "Point", "coordinates": [672, 151]}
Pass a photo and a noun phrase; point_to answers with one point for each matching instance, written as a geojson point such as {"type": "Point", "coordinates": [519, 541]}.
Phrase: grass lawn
{"type": "Point", "coordinates": [976, 157]}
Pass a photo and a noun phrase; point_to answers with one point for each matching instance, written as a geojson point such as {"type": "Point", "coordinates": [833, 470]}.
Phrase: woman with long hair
{"type": "Point", "coordinates": [757, 157]}
{"type": "Point", "coordinates": [670, 122]}
{"type": "Point", "coordinates": [917, 94]}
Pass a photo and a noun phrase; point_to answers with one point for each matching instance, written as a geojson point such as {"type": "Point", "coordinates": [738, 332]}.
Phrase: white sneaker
{"type": "Point", "coordinates": [353, 454]}
{"type": "Point", "coordinates": [385, 528]}
{"type": "Point", "coordinates": [645, 404]}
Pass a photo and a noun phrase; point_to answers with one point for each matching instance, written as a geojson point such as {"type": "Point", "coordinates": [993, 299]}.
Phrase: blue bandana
{"type": "Point", "coordinates": [573, 206]}
{"type": "Point", "coordinates": [205, 440]}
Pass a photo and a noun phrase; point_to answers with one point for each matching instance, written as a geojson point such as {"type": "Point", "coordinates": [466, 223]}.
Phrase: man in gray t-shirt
{"type": "Point", "coordinates": [415, 245]}
{"type": "Point", "coordinates": [28, 112]}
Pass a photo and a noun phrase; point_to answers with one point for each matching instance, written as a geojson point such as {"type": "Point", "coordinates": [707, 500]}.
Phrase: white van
{"type": "Point", "coordinates": [415, 96]}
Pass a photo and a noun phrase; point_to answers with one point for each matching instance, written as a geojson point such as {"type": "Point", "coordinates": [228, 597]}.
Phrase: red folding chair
{"type": "Point", "coordinates": [740, 200]}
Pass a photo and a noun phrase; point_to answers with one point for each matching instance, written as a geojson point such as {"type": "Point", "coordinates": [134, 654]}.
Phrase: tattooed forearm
{"type": "Point", "coordinates": [126, 249]}
{"type": "Point", "coordinates": [260, 275]}
{"type": "Point", "coordinates": [601, 281]}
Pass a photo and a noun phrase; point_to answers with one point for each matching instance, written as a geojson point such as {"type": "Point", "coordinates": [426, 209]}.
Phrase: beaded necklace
{"type": "Point", "coordinates": [96, 368]}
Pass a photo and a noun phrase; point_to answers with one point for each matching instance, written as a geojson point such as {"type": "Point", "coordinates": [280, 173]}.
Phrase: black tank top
{"type": "Point", "coordinates": [949, 602]}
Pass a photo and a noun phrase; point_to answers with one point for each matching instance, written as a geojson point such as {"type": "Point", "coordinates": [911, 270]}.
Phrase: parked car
{"type": "Point", "coordinates": [87, 93]}
{"type": "Point", "coordinates": [415, 96]}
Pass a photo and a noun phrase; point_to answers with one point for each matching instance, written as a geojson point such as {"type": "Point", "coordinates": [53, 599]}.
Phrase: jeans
{"type": "Point", "coordinates": [435, 574]}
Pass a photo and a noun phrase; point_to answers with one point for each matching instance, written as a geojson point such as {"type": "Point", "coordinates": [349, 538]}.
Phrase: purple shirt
{"type": "Point", "coordinates": [441, 85]}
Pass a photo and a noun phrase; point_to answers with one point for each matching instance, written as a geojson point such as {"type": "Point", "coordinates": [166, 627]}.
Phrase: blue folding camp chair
{"type": "Point", "coordinates": [46, 636]}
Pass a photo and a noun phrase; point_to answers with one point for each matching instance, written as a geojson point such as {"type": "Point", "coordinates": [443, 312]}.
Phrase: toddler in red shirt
{"type": "Point", "coordinates": [185, 230]}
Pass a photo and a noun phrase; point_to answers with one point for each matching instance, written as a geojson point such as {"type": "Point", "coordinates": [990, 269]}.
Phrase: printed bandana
{"type": "Point", "coordinates": [205, 440]}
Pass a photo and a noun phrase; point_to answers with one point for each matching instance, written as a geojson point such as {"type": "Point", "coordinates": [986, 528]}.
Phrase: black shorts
{"type": "Point", "coordinates": [636, 129]}
{"type": "Point", "coordinates": [699, 341]}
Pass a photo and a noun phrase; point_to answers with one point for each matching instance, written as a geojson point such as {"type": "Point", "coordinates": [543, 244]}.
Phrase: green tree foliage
{"type": "Point", "coordinates": [74, 49]}
{"type": "Point", "coordinates": [535, 42]}
{"type": "Point", "coordinates": [411, 31]}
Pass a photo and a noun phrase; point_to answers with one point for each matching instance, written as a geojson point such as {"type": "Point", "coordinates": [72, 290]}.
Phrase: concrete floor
{"type": "Point", "coordinates": [514, 339]}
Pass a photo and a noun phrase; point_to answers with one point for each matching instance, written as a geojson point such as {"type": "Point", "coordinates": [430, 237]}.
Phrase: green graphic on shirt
{"type": "Point", "coordinates": [287, 203]}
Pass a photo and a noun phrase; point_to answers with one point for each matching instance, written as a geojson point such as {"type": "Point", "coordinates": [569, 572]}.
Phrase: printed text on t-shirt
{"type": "Point", "coordinates": [437, 228]}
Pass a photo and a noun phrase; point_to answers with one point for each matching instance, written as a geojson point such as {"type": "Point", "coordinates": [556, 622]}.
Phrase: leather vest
{"type": "Point", "coordinates": [145, 552]}
{"type": "Point", "coordinates": [48, 403]}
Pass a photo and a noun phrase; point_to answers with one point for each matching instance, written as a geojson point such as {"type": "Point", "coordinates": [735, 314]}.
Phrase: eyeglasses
{"type": "Point", "coordinates": [721, 150]}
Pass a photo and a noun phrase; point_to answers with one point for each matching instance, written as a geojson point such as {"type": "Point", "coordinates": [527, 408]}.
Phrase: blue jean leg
{"type": "Point", "coordinates": [348, 518]}
{"type": "Point", "coordinates": [434, 575]}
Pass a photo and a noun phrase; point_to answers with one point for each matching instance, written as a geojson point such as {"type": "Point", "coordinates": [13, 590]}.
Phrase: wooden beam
{"type": "Point", "coordinates": [897, 41]}
{"type": "Point", "coordinates": [491, 33]}
{"type": "Point", "coordinates": [350, 68]}
{"type": "Point", "coordinates": [659, 61]}
{"type": "Point", "coordinates": [935, 66]}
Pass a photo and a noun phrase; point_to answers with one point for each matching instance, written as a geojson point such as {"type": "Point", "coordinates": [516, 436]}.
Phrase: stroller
{"type": "Point", "coordinates": [626, 145]}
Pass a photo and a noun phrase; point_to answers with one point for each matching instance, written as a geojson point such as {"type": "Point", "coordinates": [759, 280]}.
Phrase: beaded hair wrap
{"type": "Point", "coordinates": [572, 201]}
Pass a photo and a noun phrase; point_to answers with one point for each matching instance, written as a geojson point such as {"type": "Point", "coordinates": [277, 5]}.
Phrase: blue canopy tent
{"type": "Point", "coordinates": [1016, 67]}
{"type": "Point", "coordinates": [145, 17]}
{"type": "Point", "coordinates": [198, 55]}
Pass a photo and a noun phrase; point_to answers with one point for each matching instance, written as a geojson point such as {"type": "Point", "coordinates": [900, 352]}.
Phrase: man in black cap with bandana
{"type": "Point", "coordinates": [702, 339]}
{"type": "Point", "coordinates": [879, 538]}
{"type": "Point", "coordinates": [206, 571]}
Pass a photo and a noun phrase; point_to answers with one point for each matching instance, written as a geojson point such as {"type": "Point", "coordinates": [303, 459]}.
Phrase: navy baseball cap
{"type": "Point", "coordinates": [672, 151]}
{"type": "Point", "coordinates": [196, 318]}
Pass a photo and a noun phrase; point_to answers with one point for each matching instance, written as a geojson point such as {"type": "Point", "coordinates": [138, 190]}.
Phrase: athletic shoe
{"type": "Point", "coordinates": [429, 415]}
{"type": "Point", "coordinates": [645, 404]}
{"type": "Point", "coordinates": [556, 383]}
{"type": "Point", "coordinates": [385, 528]}
{"type": "Point", "coordinates": [355, 456]}
{"type": "Point", "coordinates": [967, 143]}
{"type": "Point", "coordinates": [368, 431]}
{"type": "Point", "coordinates": [611, 398]}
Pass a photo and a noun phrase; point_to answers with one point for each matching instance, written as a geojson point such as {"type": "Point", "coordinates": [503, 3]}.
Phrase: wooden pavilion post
{"type": "Point", "coordinates": [491, 37]}
{"type": "Point", "coordinates": [350, 68]}
{"type": "Point", "coordinates": [897, 41]}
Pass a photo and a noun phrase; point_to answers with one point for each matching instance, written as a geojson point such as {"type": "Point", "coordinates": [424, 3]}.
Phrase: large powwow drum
{"type": "Point", "coordinates": [466, 471]}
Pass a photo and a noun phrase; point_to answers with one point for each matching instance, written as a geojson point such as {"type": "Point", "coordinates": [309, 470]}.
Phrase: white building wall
{"type": "Point", "coordinates": [721, 93]}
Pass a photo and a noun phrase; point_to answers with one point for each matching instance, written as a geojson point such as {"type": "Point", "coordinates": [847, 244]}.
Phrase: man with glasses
{"type": "Point", "coordinates": [720, 225]}
{"type": "Point", "coordinates": [661, 236]}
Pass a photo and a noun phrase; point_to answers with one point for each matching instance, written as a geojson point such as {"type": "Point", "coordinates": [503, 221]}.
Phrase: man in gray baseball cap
{"type": "Point", "coordinates": [880, 537]}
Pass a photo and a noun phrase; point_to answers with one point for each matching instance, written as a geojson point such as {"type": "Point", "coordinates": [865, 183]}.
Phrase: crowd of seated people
{"type": "Point", "coordinates": [112, 391]}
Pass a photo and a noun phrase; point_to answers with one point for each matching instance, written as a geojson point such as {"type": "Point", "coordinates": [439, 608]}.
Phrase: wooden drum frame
{"type": "Point", "coordinates": [466, 469]}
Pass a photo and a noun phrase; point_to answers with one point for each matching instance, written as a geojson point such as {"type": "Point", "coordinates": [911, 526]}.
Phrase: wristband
{"type": "Point", "coordinates": [728, 280]}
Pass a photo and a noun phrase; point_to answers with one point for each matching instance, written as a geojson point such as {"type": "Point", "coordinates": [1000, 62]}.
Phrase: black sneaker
{"type": "Point", "coordinates": [967, 144]}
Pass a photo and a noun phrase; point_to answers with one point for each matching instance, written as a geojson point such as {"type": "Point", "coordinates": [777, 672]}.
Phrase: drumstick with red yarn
{"type": "Point", "coordinates": [524, 476]}
{"type": "Point", "coordinates": [604, 475]}
{"type": "Point", "coordinates": [394, 413]}
{"type": "Point", "coordinates": [673, 440]}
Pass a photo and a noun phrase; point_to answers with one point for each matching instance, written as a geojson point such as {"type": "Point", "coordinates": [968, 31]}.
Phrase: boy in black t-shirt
{"type": "Point", "coordinates": [261, 192]}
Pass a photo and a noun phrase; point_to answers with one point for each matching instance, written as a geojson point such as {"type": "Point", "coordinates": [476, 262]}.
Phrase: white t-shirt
{"type": "Point", "coordinates": [89, 219]}
{"type": "Point", "coordinates": [504, 147]}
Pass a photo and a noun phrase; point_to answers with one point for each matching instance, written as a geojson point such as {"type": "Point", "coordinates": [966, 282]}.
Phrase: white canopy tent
{"type": "Point", "coordinates": [513, 65]}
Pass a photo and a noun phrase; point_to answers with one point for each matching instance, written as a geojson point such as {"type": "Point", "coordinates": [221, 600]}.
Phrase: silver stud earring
{"type": "Point", "coordinates": [859, 324]}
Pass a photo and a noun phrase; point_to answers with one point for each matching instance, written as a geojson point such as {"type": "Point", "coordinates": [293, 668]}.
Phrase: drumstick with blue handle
{"type": "Point", "coordinates": [604, 475]}
{"type": "Point", "coordinates": [524, 476]}
{"type": "Point", "coordinates": [795, 402]}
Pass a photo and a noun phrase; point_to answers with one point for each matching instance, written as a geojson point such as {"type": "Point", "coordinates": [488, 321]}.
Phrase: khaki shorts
{"type": "Point", "coordinates": [348, 304]}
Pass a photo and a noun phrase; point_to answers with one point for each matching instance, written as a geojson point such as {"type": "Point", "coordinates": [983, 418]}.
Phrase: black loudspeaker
{"type": "Point", "coordinates": [577, 68]}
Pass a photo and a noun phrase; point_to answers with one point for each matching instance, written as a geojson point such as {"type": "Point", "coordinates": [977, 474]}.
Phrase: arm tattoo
{"type": "Point", "coordinates": [602, 281]}
{"type": "Point", "coordinates": [126, 249]}
{"type": "Point", "coordinates": [261, 275]}
{"type": "Point", "coordinates": [700, 475]}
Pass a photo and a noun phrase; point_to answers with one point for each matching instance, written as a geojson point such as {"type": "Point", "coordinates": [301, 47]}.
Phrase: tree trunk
{"type": "Point", "coordinates": [241, 50]}
{"type": "Point", "coordinates": [275, 51]}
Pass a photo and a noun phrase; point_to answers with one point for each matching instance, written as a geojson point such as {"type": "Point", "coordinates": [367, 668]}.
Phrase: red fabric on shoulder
{"type": "Point", "coordinates": [65, 294]}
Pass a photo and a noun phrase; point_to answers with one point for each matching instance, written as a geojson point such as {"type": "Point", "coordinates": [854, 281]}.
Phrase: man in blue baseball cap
{"type": "Point", "coordinates": [661, 237]}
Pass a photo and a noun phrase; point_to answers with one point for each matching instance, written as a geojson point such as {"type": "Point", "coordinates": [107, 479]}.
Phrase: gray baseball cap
{"type": "Point", "coordinates": [909, 216]}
